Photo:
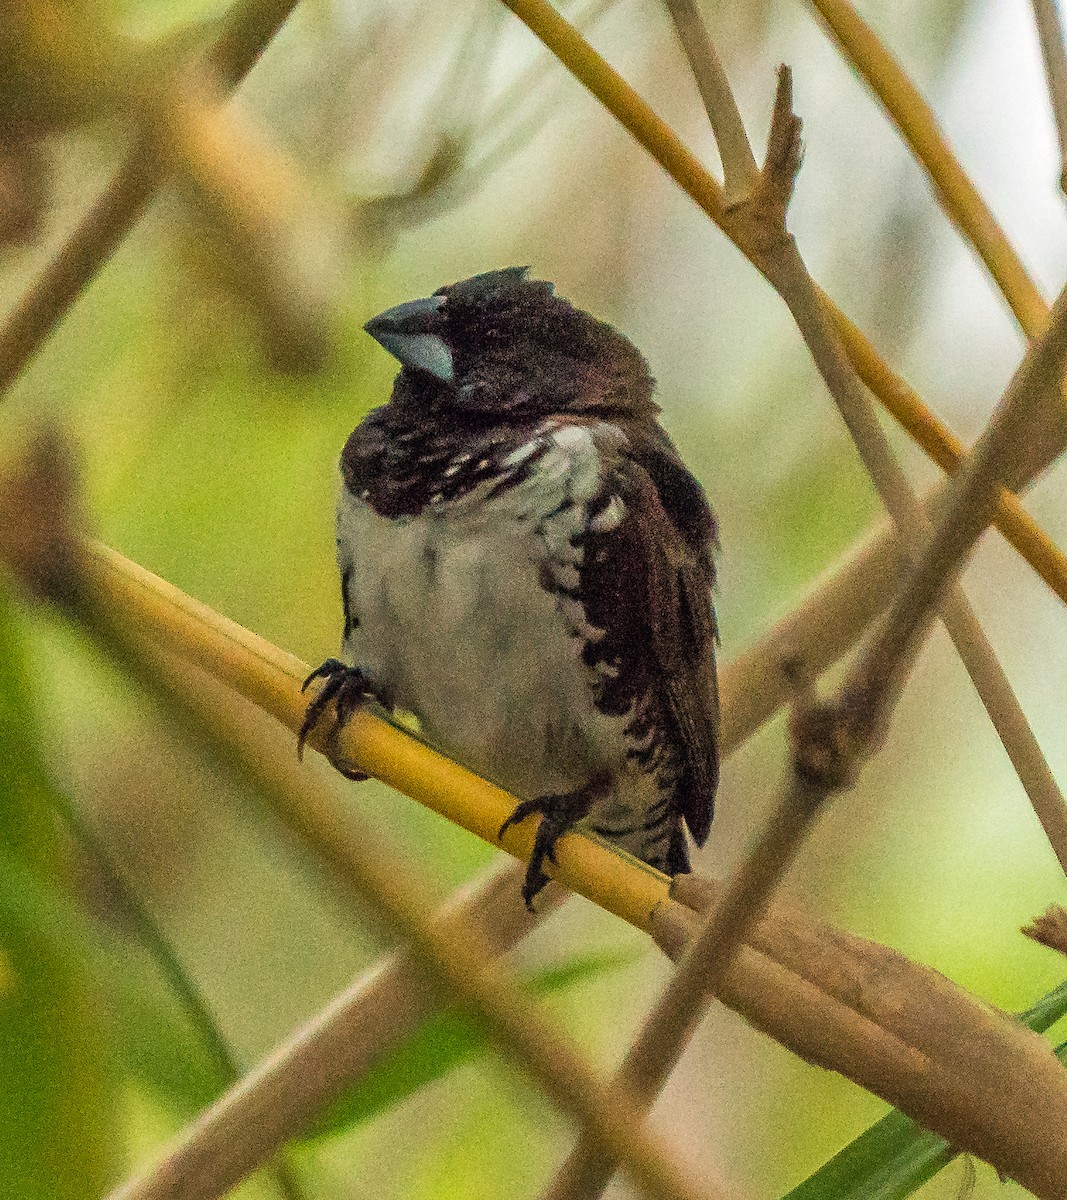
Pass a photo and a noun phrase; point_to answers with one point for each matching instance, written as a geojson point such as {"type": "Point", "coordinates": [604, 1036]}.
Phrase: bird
{"type": "Point", "coordinates": [527, 567]}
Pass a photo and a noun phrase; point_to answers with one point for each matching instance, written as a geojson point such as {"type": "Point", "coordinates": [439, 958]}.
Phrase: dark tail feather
{"type": "Point", "coordinates": [678, 853]}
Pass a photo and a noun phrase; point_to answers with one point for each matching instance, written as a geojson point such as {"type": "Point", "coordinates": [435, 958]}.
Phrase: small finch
{"type": "Point", "coordinates": [526, 565]}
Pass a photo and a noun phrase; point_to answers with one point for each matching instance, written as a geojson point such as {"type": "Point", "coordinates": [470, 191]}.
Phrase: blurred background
{"type": "Point", "coordinates": [443, 141]}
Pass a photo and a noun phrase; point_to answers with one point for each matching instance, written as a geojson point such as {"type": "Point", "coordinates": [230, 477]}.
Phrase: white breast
{"type": "Point", "coordinates": [456, 625]}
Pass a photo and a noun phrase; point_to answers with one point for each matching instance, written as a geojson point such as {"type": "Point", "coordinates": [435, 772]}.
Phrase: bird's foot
{"type": "Point", "coordinates": [559, 813]}
{"type": "Point", "coordinates": [348, 689]}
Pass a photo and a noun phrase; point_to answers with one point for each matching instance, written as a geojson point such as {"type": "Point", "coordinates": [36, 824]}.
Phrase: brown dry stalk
{"type": "Point", "coordinates": [899, 1019]}
{"type": "Point", "coordinates": [785, 270]}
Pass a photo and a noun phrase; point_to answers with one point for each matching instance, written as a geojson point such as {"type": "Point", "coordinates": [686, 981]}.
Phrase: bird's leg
{"type": "Point", "coordinates": [559, 812]}
{"type": "Point", "coordinates": [349, 689]}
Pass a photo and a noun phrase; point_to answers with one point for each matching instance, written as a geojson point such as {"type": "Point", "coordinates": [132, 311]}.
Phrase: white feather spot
{"type": "Point", "coordinates": [610, 517]}
{"type": "Point", "coordinates": [518, 456]}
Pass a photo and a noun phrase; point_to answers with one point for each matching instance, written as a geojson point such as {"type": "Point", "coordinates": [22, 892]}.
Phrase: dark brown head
{"type": "Point", "coordinates": [500, 345]}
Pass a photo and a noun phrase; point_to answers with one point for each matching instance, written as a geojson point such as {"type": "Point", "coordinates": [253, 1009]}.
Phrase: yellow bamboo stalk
{"type": "Point", "coordinates": [270, 678]}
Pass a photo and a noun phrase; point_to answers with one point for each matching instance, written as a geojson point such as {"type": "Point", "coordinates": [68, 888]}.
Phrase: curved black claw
{"type": "Point", "coordinates": [348, 689]}
{"type": "Point", "coordinates": [559, 813]}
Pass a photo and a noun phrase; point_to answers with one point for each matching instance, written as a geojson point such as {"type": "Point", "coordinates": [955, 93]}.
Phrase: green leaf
{"type": "Point", "coordinates": [162, 1047]}
{"type": "Point", "coordinates": [170, 1040]}
{"type": "Point", "coordinates": [57, 1110]}
{"type": "Point", "coordinates": [444, 1042]}
{"type": "Point", "coordinates": [1047, 1011]}
{"type": "Point", "coordinates": [895, 1156]}
{"type": "Point", "coordinates": [891, 1159]}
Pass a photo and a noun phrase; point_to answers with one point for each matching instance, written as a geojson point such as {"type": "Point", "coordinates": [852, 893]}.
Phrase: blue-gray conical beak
{"type": "Point", "coordinates": [407, 332]}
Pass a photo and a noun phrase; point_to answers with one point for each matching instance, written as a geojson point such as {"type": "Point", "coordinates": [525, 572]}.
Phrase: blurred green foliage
{"type": "Point", "coordinates": [59, 1136]}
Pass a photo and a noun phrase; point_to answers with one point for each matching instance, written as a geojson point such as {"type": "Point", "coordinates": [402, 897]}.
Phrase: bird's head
{"type": "Point", "coordinates": [500, 346]}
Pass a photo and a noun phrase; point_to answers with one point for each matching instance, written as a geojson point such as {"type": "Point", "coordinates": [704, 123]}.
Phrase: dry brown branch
{"type": "Point", "coordinates": [782, 264]}
{"type": "Point", "coordinates": [1050, 34]}
{"type": "Point", "coordinates": [1026, 427]}
{"type": "Point", "coordinates": [298, 1080]}
{"type": "Point", "coordinates": [898, 1019]}
{"type": "Point", "coordinates": [831, 741]}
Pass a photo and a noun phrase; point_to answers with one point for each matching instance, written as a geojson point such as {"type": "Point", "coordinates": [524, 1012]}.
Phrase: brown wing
{"type": "Point", "coordinates": [682, 625]}
{"type": "Point", "coordinates": [648, 586]}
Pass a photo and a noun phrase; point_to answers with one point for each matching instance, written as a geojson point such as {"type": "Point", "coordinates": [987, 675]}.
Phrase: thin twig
{"type": "Point", "coordinates": [1026, 426]}
{"type": "Point", "coordinates": [603, 82]}
{"type": "Point", "coordinates": [785, 269]}
{"type": "Point", "coordinates": [832, 740]}
{"type": "Point", "coordinates": [1050, 34]}
{"type": "Point", "coordinates": [740, 173]}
